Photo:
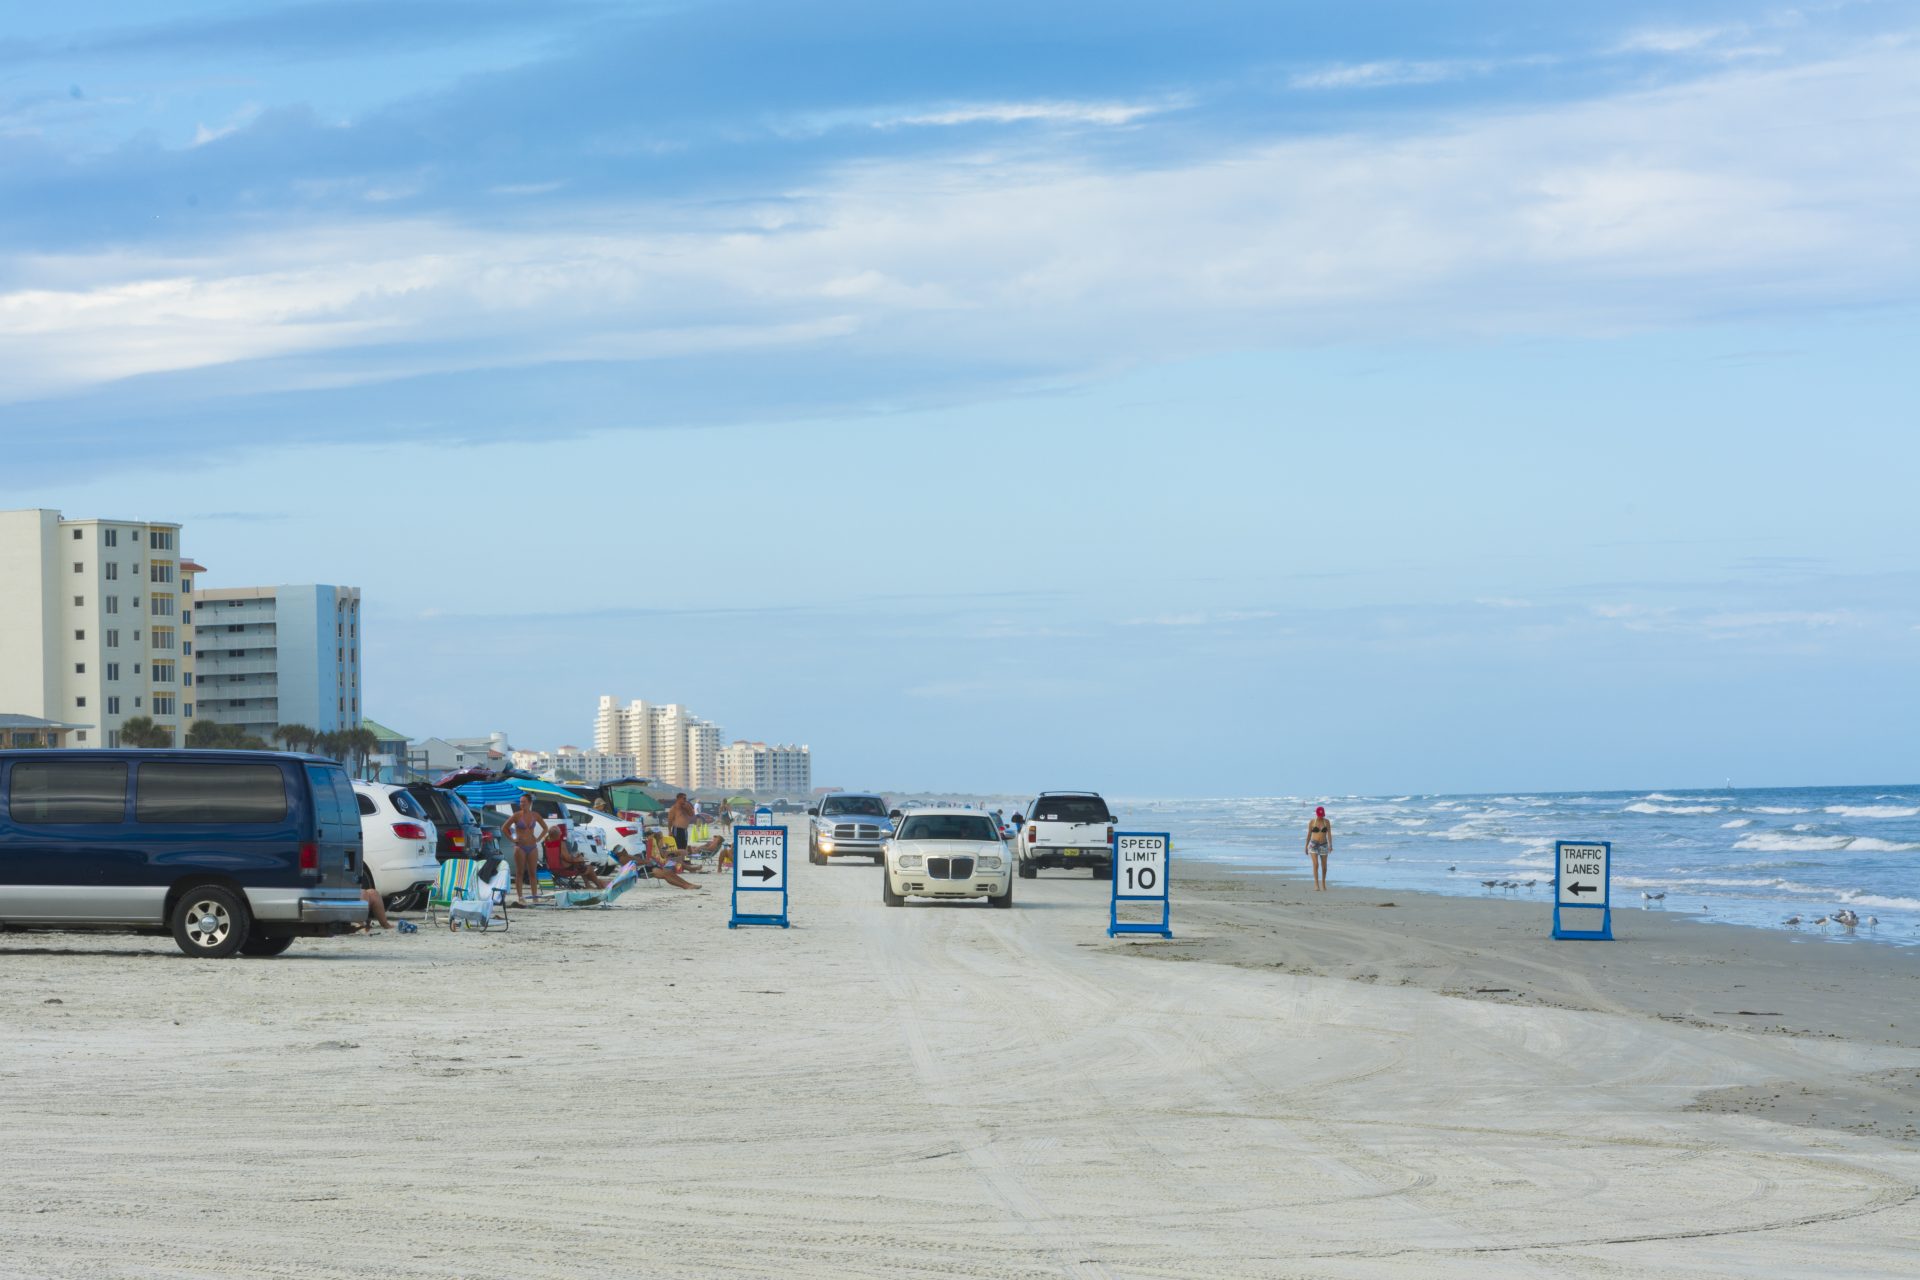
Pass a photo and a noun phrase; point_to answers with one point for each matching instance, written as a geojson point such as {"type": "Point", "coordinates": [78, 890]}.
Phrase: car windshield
{"type": "Point", "coordinates": [1070, 809]}
{"type": "Point", "coordinates": [854, 807]}
{"type": "Point", "coordinates": [948, 826]}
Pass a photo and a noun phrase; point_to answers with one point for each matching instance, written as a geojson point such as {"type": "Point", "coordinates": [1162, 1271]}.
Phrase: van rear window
{"type": "Point", "coordinates": [69, 791]}
{"type": "Point", "coordinates": [184, 791]}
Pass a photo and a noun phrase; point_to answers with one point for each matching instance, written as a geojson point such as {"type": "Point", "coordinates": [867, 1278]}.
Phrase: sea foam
{"type": "Point", "coordinates": [1674, 808]}
{"type": "Point", "coordinates": [1872, 811]}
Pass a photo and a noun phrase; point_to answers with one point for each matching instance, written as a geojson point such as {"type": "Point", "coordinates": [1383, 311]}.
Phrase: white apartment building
{"type": "Point", "coordinates": [590, 767]}
{"type": "Point", "coordinates": [280, 655]}
{"type": "Point", "coordinates": [96, 623]}
{"type": "Point", "coordinates": [666, 742]}
{"type": "Point", "coordinates": [755, 767]}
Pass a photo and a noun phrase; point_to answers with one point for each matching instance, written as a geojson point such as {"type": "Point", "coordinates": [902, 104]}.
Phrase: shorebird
{"type": "Point", "coordinates": [1488, 884]}
{"type": "Point", "coordinates": [1873, 922]}
{"type": "Point", "coordinates": [1821, 922]}
{"type": "Point", "coordinates": [1388, 858]}
{"type": "Point", "coordinates": [1532, 883]}
{"type": "Point", "coordinates": [1653, 897]}
{"type": "Point", "coordinates": [1792, 922]}
{"type": "Point", "coordinates": [1845, 916]}
{"type": "Point", "coordinates": [1453, 868]}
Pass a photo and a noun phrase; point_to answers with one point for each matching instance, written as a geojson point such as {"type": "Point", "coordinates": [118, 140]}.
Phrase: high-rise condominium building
{"type": "Point", "coordinates": [666, 742]}
{"type": "Point", "coordinates": [280, 655]}
{"type": "Point", "coordinates": [784, 770]}
{"type": "Point", "coordinates": [96, 623]}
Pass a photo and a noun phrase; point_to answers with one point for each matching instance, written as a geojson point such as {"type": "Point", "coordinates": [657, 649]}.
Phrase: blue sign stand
{"type": "Point", "coordinates": [1583, 889]}
{"type": "Point", "coordinates": [1142, 867]}
{"type": "Point", "coordinates": [764, 861]}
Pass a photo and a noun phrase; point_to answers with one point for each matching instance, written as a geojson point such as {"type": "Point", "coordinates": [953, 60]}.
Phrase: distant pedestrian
{"type": "Point", "coordinates": [526, 829]}
{"type": "Point", "coordinates": [679, 818]}
{"type": "Point", "coordinates": [1319, 845]}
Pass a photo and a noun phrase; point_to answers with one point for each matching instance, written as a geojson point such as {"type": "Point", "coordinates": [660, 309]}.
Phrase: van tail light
{"type": "Point", "coordinates": [1033, 834]}
{"type": "Point", "coordinates": [1110, 833]}
{"type": "Point", "coordinates": [627, 831]}
{"type": "Point", "coordinates": [309, 856]}
{"type": "Point", "coordinates": [409, 831]}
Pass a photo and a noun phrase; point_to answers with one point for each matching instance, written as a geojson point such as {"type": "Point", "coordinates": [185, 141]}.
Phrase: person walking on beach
{"type": "Point", "coordinates": [526, 829]}
{"type": "Point", "coordinates": [1319, 845]}
{"type": "Point", "coordinates": [679, 818]}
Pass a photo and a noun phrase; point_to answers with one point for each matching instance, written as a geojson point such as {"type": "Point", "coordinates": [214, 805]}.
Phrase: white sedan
{"type": "Point", "coordinates": [947, 853]}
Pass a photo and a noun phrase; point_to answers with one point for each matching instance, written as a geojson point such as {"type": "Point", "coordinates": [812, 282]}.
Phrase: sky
{"type": "Point", "coordinates": [1212, 398]}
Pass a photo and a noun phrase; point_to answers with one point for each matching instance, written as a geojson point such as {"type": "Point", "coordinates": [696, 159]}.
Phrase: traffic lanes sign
{"type": "Point", "coordinates": [759, 876]}
{"type": "Point", "coordinates": [1582, 880]}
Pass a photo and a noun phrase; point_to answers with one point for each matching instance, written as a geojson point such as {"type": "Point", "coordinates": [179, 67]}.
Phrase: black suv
{"type": "Point", "coordinates": [459, 829]}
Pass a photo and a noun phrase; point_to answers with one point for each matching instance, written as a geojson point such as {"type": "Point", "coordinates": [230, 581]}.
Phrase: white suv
{"type": "Point", "coordinates": [947, 853]}
{"type": "Point", "coordinates": [399, 841]}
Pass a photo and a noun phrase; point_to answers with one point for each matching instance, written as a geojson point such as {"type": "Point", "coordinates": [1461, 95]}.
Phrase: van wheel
{"type": "Point", "coordinates": [266, 944]}
{"type": "Point", "coordinates": [1103, 873]}
{"type": "Point", "coordinates": [210, 922]}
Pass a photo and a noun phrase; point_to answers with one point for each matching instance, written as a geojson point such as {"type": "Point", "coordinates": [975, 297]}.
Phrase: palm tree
{"type": "Point", "coordinates": [362, 742]}
{"type": "Point", "coordinates": [203, 734]}
{"type": "Point", "coordinates": [296, 737]}
{"type": "Point", "coordinates": [141, 731]}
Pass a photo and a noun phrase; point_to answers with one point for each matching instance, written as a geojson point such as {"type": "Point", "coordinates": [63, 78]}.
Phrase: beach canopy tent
{"type": "Point", "coordinates": [509, 791]}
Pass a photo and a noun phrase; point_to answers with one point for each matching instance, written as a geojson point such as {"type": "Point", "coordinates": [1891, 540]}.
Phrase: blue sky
{"type": "Point", "coordinates": [1183, 399]}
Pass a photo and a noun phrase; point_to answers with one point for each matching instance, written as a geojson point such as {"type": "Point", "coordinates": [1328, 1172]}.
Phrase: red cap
{"type": "Point", "coordinates": [1319, 811]}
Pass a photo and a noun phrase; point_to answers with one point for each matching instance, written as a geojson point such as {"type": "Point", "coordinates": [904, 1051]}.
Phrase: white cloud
{"type": "Point", "coordinates": [1646, 210]}
{"type": "Point", "coordinates": [1374, 75]}
{"type": "Point", "coordinates": [1111, 113]}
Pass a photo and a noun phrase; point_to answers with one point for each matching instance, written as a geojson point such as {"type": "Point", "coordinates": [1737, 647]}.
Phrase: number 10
{"type": "Point", "coordinates": [1140, 878]}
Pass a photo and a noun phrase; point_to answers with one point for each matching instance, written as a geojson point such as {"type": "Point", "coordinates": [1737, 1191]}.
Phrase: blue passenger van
{"type": "Point", "coordinates": [229, 851]}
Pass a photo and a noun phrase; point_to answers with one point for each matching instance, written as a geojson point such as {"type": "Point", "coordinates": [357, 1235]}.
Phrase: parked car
{"type": "Point", "coordinates": [228, 851]}
{"type": "Point", "coordinates": [947, 853]}
{"type": "Point", "coordinates": [459, 830]}
{"type": "Point", "coordinates": [1065, 829]}
{"type": "Point", "coordinates": [846, 824]}
{"type": "Point", "coordinates": [400, 841]}
{"type": "Point", "coordinates": [609, 836]}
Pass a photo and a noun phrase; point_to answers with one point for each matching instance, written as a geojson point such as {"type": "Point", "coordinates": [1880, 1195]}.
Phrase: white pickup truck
{"type": "Point", "coordinates": [1064, 829]}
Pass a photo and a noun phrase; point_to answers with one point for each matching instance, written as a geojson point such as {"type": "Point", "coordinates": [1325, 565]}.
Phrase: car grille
{"type": "Point", "coordinates": [856, 831]}
{"type": "Point", "coordinates": [950, 868]}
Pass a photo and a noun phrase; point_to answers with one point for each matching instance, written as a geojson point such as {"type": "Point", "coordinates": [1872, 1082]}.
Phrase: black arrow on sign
{"type": "Point", "coordinates": [1583, 888]}
{"type": "Point", "coordinates": [765, 873]}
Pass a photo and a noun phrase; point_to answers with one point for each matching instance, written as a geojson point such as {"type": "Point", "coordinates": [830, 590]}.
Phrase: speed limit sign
{"type": "Point", "coordinates": [1140, 874]}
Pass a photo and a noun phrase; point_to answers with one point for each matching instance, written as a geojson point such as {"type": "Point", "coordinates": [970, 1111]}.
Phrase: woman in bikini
{"type": "Point", "coordinates": [1319, 845]}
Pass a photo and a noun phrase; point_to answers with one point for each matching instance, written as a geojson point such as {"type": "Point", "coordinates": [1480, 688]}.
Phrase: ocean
{"type": "Point", "coordinates": [1730, 856]}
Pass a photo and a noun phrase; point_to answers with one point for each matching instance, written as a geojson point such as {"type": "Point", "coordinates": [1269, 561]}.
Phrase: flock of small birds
{"type": "Point", "coordinates": [1845, 917]}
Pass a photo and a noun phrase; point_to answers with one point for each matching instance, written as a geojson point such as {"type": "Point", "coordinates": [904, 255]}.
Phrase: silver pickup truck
{"type": "Point", "coordinates": [848, 825]}
{"type": "Point", "coordinates": [1064, 829]}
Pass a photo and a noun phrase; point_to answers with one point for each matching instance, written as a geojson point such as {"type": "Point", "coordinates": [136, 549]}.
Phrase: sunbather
{"type": "Point", "coordinates": [663, 868]}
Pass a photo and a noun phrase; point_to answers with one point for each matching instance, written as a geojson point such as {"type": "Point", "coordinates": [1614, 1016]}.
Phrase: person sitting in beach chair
{"type": "Point", "coordinates": [569, 872]}
{"type": "Point", "coordinates": [660, 866]}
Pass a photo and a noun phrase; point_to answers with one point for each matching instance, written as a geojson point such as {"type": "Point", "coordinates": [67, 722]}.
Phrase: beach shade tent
{"type": "Point", "coordinates": [631, 799]}
{"type": "Point", "coordinates": [509, 791]}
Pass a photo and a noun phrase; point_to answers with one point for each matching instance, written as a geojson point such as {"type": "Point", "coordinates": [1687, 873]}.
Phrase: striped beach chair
{"type": "Point", "coordinates": [456, 881]}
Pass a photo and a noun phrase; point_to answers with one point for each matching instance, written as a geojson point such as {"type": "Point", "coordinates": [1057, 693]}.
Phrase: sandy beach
{"type": "Point", "coordinates": [1297, 1085]}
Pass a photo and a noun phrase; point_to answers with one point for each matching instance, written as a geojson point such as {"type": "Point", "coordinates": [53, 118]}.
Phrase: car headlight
{"type": "Point", "coordinates": [826, 846]}
{"type": "Point", "coordinates": [990, 863]}
{"type": "Point", "coordinates": [909, 862]}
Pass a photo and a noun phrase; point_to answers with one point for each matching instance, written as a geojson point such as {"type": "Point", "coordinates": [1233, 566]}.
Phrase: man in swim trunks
{"type": "Point", "coordinates": [1319, 845]}
{"type": "Point", "coordinates": [526, 829]}
{"type": "Point", "coordinates": [679, 818]}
